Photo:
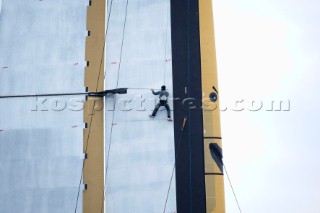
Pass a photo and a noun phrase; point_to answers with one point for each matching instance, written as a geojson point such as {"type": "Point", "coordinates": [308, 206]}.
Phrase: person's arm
{"type": "Point", "coordinates": [155, 93]}
{"type": "Point", "coordinates": [167, 94]}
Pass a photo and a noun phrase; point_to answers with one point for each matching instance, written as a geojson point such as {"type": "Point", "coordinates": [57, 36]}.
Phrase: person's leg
{"type": "Point", "coordinates": [156, 109]}
{"type": "Point", "coordinates": [168, 110]}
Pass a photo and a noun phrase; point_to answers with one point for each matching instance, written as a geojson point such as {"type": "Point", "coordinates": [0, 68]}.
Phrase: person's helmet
{"type": "Point", "coordinates": [163, 87]}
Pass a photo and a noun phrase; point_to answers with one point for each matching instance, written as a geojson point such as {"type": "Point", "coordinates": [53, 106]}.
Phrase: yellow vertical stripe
{"type": "Point", "coordinates": [211, 114]}
{"type": "Point", "coordinates": [93, 173]}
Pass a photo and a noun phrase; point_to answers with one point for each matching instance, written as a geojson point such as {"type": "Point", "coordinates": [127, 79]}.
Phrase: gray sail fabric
{"type": "Point", "coordinates": [139, 149]}
{"type": "Point", "coordinates": [42, 46]}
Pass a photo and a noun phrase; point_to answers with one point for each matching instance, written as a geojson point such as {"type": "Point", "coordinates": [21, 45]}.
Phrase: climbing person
{"type": "Point", "coordinates": [163, 101]}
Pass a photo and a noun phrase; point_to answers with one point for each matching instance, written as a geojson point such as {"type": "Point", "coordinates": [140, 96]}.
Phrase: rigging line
{"type": "Point", "coordinates": [234, 194]}
{"type": "Point", "coordinates": [104, 45]}
{"type": "Point", "coordinates": [189, 114]}
{"type": "Point", "coordinates": [89, 130]}
{"type": "Point", "coordinates": [107, 30]}
{"type": "Point", "coordinates": [173, 169]}
{"type": "Point", "coordinates": [123, 31]}
{"type": "Point", "coordinates": [42, 95]}
{"type": "Point", "coordinates": [141, 88]}
{"type": "Point", "coordinates": [108, 154]}
{"type": "Point", "coordinates": [113, 113]}
{"type": "Point", "coordinates": [165, 49]}
{"type": "Point", "coordinates": [175, 163]}
{"type": "Point", "coordinates": [84, 161]}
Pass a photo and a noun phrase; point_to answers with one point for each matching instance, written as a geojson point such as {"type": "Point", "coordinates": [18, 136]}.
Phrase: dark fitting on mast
{"type": "Point", "coordinates": [111, 91]}
{"type": "Point", "coordinates": [216, 154]}
{"type": "Point", "coordinates": [214, 95]}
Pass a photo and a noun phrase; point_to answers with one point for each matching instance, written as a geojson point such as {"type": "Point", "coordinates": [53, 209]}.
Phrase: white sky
{"type": "Point", "coordinates": [270, 50]}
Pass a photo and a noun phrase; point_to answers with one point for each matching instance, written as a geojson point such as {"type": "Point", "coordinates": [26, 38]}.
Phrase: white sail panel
{"type": "Point", "coordinates": [139, 150]}
{"type": "Point", "coordinates": [41, 51]}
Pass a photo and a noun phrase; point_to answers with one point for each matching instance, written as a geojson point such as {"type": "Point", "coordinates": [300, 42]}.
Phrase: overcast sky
{"type": "Point", "coordinates": [270, 51]}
